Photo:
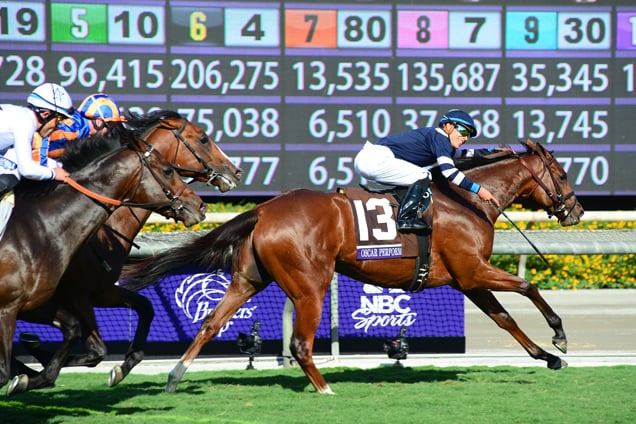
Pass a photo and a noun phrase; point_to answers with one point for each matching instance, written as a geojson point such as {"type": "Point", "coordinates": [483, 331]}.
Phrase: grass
{"type": "Point", "coordinates": [381, 395]}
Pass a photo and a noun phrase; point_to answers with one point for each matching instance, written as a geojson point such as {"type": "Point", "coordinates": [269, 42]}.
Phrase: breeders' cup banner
{"type": "Point", "coordinates": [182, 301]}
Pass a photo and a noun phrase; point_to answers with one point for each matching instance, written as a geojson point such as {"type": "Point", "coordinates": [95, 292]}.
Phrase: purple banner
{"type": "Point", "coordinates": [181, 301]}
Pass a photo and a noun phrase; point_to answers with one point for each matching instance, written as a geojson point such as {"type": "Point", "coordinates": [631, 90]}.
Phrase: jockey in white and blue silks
{"type": "Point", "coordinates": [46, 106]}
{"type": "Point", "coordinates": [403, 159]}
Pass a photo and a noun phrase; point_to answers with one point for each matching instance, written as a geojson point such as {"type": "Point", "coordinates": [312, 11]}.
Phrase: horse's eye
{"type": "Point", "coordinates": [563, 177]}
{"type": "Point", "coordinates": [204, 139]}
{"type": "Point", "coordinates": [168, 171]}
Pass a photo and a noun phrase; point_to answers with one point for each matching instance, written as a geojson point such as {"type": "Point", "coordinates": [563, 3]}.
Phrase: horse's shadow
{"type": "Point", "coordinates": [383, 374]}
{"type": "Point", "coordinates": [299, 382]}
{"type": "Point", "coordinates": [42, 405]}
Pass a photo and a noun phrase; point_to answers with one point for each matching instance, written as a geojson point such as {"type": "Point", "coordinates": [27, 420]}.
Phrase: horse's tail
{"type": "Point", "coordinates": [213, 251]}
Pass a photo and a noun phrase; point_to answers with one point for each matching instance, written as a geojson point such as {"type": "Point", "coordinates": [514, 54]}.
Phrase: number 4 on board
{"type": "Point", "coordinates": [253, 28]}
{"type": "Point", "coordinates": [250, 27]}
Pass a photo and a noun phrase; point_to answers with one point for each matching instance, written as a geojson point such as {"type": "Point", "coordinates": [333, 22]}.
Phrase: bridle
{"type": "Point", "coordinates": [559, 208]}
{"type": "Point", "coordinates": [207, 170]}
{"type": "Point", "coordinates": [174, 201]}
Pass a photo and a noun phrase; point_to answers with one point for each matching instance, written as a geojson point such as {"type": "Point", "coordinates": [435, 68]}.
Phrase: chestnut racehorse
{"type": "Point", "coordinates": [299, 239]}
{"type": "Point", "coordinates": [188, 148]}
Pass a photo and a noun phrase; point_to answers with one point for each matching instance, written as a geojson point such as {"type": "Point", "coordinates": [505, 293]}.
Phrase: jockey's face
{"type": "Point", "coordinates": [51, 124]}
{"type": "Point", "coordinates": [98, 126]}
{"type": "Point", "coordinates": [456, 139]}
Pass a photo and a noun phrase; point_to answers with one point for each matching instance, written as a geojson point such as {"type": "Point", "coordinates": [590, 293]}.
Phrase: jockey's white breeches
{"type": "Point", "coordinates": [378, 163]}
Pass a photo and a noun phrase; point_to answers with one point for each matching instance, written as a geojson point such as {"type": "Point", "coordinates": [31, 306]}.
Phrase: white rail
{"type": "Point", "coordinates": [589, 216]}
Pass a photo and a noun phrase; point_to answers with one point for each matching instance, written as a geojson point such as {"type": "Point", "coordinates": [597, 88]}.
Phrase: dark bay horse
{"type": "Point", "coordinates": [299, 239]}
{"type": "Point", "coordinates": [50, 221]}
{"type": "Point", "coordinates": [188, 148]}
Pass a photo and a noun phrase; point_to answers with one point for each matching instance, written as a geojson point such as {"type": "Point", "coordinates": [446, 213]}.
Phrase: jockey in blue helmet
{"type": "Point", "coordinates": [403, 159]}
{"type": "Point", "coordinates": [460, 119]}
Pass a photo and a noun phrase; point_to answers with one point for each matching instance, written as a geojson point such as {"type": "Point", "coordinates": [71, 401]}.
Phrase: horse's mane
{"type": "Point", "coordinates": [80, 152]}
{"type": "Point", "coordinates": [139, 124]}
{"type": "Point", "coordinates": [77, 154]}
{"type": "Point", "coordinates": [466, 163]}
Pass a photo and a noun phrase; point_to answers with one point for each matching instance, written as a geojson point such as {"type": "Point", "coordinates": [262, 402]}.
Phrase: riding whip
{"type": "Point", "coordinates": [501, 211]}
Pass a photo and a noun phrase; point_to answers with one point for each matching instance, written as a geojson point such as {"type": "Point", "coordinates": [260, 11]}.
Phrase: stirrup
{"type": "Point", "coordinates": [413, 225]}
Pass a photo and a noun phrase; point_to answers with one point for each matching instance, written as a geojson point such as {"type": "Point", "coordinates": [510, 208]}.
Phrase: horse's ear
{"type": "Point", "coordinates": [170, 123]}
{"type": "Point", "coordinates": [137, 144]}
{"type": "Point", "coordinates": [543, 151]}
{"type": "Point", "coordinates": [528, 144]}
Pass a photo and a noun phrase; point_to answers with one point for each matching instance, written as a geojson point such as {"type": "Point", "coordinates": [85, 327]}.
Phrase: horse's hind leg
{"type": "Point", "coordinates": [71, 330]}
{"type": "Point", "coordinates": [238, 292]}
{"type": "Point", "coordinates": [487, 302]}
{"type": "Point", "coordinates": [308, 311]}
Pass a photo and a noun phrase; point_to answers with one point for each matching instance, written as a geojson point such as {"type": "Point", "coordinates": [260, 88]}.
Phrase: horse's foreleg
{"type": "Point", "coordinates": [71, 330]}
{"type": "Point", "coordinates": [76, 300]}
{"type": "Point", "coordinates": [18, 367]}
{"type": "Point", "coordinates": [238, 292]}
{"type": "Point", "coordinates": [487, 302]}
{"type": "Point", "coordinates": [559, 339]}
{"type": "Point", "coordinates": [308, 311]}
{"type": "Point", "coordinates": [7, 329]}
{"type": "Point", "coordinates": [490, 277]}
{"type": "Point", "coordinates": [135, 354]}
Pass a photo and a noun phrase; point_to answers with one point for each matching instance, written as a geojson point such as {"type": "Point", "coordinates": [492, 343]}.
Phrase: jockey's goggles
{"type": "Point", "coordinates": [463, 131]}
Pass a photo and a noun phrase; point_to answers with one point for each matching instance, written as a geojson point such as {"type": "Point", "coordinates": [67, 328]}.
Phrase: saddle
{"type": "Point", "coordinates": [377, 236]}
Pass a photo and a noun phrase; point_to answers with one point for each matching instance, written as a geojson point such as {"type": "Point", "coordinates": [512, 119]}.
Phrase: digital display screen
{"type": "Point", "coordinates": [292, 90]}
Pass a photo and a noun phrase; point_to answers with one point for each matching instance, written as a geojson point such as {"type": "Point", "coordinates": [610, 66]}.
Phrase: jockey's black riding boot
{"type": "Point", "coordinates": [417, 199]}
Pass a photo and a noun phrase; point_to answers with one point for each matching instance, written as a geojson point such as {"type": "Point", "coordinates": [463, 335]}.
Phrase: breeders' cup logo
{"type": "Point", "coordinates": [198, 295]}
{"type": "Point", "coordinates": [383, 310]}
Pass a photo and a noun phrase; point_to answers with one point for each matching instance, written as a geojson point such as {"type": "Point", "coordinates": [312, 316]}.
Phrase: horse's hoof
{"type": "Point", "coordinates": [171, 387]}
{"type": "Point", "coordinates": [561, 344]}
{"type": "Point", "coordinates": [116, 376]}
{"type": "Point", "coordinates": [19, 384]}
{"type": "Point", "coordinates": [556, 363]}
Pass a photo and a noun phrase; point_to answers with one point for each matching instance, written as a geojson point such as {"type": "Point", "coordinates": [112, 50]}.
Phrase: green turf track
{"type": "Point", "coordinates": [459, 395]}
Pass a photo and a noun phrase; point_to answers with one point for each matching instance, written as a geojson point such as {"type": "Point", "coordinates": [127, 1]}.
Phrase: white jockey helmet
{"type": "Point", "coordinates": [51, 97]}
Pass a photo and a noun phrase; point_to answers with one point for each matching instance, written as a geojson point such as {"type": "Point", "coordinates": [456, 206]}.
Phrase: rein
{"type": "Point", "coordinates": [77, 186]}
{"type": "Point", "coordinates": [174, 202]}
{"type": "Point", "coordinates": [558, 200]}
{"type": "Point", "coordinates": [501, 211]}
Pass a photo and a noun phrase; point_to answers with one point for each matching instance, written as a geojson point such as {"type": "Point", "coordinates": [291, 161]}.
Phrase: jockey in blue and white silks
{"type": "Point", "coordinates": [404, 159]}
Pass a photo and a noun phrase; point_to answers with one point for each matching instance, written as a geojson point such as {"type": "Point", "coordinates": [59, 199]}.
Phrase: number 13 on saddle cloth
{"type": "Point", "coordinates": [377, 237]}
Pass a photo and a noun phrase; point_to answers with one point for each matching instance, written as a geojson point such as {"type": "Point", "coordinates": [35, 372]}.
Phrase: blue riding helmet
{"type": "Point", "coordinates": [456, 116]}
{"type": "Point", "coordinates": [100, 106]}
